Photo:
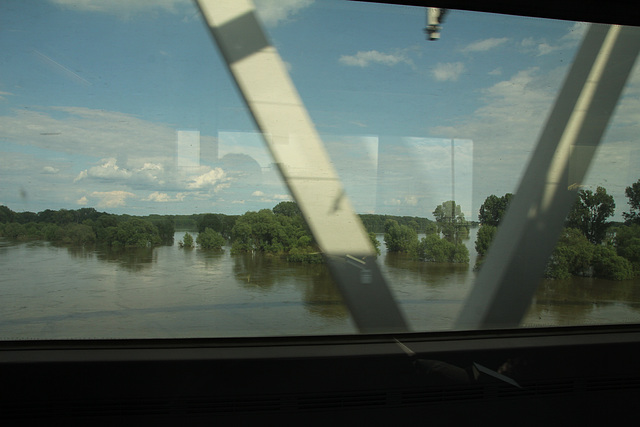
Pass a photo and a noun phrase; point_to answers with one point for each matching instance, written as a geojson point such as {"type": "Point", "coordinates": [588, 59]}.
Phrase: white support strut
{"type": "Point", "coordinates": [278, 111]}
{"type": "Point", "coordinates": [529, 231]}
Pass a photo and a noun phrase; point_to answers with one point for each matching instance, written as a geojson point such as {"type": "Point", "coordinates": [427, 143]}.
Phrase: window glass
{"type": "Point", "coordinates": [138, 199]}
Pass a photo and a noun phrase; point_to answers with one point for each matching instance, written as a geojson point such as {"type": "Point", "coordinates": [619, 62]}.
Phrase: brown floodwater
{"type": "Point", "coordinates": [58, 292]}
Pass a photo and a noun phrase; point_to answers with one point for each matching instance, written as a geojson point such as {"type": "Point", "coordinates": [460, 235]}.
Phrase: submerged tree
{"type": "Point", "coordinates": [269, 232]}
{"type": "Point", "coordinates": [210, 239]}
{"type": "Point", "coordinates": [574, 255]}
{"type": "Point", "coordinates": [633, 194]}
{"type": "Point", "coordinates": [451, 222]}
{"type": "Point", "coordinates": [435, 249]}
{"type": "Point", "coordinates": [485, 236]}
{"type": "Point", "coordinates": [590, 212]}
{"type": "Point", "coordinates": [399, 238]}
{"type": "Point", "coordinates": [627, 244]}
{"type": "Point", "coordinates": [187, 241]}
{"type": "Point", "coordinates": [374, 242]}
{"type": "Point", "coordinates": [490, 215]}
{"type": "Point", "coordinates": [493, 209]}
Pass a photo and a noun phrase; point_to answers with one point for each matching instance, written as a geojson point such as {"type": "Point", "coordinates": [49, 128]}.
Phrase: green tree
{"type": "Point", "coordinates": [53, 233]}
{"type": "Point", "coordinates": [485, 236]}
{"type": "Point", "coordinates": [6, 214]}
{"type": "Point", "coordinates": [431, 228]}
{"type": "Point", "coordinates": [399, 238]}
{"type": "Point", "coordinates": [210, 239]}
{"type": "Point", "coordinates": [572, 255]}
{"type": "Point", "coordinates": [375, 242]}
{"type": "Point", "coordinates": [633, 194]}
{"type": "Point", "coordinates": [493, 209]}
{"type": "Point", "coordinates": [26, 217]}
{"type": "Point", "coordinates": [133, 232]}
{"type": "Point", "coordinates": [627, 244]}
{"type": "Point", "coordinates": [265, 231]}
{"type": "Point", "coordinates": [212, 221]}
{"type": "Point", "coordinates": [608, 265]}
{"type": "Point", "coordinates": [450, 221]}
{"type": "Point", "coordinates": [105, 227]}
{"type": "Point", "coordinates": [84, 214]}
{"type": "Point", "coordinates": [590, 212]}
{"type": "Point", "coordinates": [79, 234]}
{"type": "Point", "coordinates": [166, 227]}
{"type": "Point", "coordinates": [432, 248]}
{"type": "Point", "coordinates": [14, 230]}
{"type": "Point", "coordinates": [34, 230]}
{"type": "Point", "coordinates": [289, 209]}
{"type": "Point", "coordinates": [187, 241]}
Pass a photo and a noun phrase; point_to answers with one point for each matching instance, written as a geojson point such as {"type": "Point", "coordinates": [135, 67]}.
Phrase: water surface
{"type": "Point", "coordinates": [57, 292]}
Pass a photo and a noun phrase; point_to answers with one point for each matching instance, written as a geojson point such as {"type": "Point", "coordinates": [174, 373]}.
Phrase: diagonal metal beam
{"type": "Point", "coordinates": [527, 235]}
{"type": "Point", "coordinates": [279, 113]}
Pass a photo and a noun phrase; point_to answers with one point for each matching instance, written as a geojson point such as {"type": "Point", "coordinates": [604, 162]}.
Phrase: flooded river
{"type": "Point", "coordinates": [58, 292]}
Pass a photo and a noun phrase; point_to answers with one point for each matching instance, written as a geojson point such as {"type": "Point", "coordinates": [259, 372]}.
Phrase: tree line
{"type": "Point", "coordinates": [589, 245]}
{"type": "Point", "coordinates": [278, 231]}
{"type": "Point", "coordinates": [87, 226]}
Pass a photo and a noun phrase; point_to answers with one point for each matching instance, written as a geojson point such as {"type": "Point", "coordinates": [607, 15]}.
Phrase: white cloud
{"type": "Point", "coordinates": [151, 167]}
{"type": "Point", "coordinates": [545, 49]}
{"type": "Point", "coordinates": [504, 129]}
{"type": "Point", "coordinates": [109, 170]}
{"type": "Point", "coordinates": [540, 46]}
{"type": "Point", "coordinates": [271, 12]}
{"type": "Point", "coordinates": [111, 199]}
{"type": "Point", "coordinates": [50, 170]}
{"type": "Point", "coordinates": [122, 8]}
{"type": "Point", "coordinates": [282, 197]}
{"type": "Point", "coordinates": [159, 197]}
{"type": "Point", "coordinates": [364, 59]}
{"type": "Point", "coordinates": [82, 201]}
{"type": "Point", "coordinates": [451, 71]}
{"type": "Point", "coordinates": [94, 133]}
{"type": "Point", "coordinates": [215, 178]}
{"type": "Point", "coordinates": [274, 12]}
{"type": "Point", "coordinates": [411, 200]}
{"type": "Point", "coordinates": [3, 94]}
{"type": "Point", "coordinates": [576, 32]}
{"type": "Point", "coordinates": [513, 109]}
{"type": "Point", "coordinates": [484, 45]}
{"type": "Point", "coordinates": [507, 125]}
{"type": "Point", "coordinates": [82, 175]}
{"type": "Point", "coordinates": [257, 193]}
{"type": "Point", "coordinates": [156, 196]}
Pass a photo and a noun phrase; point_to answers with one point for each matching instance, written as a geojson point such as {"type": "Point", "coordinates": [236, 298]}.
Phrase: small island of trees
{"type": "Point", "coordinates": [443, 241]}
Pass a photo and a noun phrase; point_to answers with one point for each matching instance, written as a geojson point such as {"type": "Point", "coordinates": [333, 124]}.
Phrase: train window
{"type": "Point", "coordinates": [139, 200]}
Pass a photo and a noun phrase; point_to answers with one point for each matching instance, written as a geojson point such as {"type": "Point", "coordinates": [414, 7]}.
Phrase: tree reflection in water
{"type": "Point", "coordinates": [320, 295]}
{"type": "Point", "coordinates": [133, 259]}
{"type": "Point", "coordinates": [578, 300]}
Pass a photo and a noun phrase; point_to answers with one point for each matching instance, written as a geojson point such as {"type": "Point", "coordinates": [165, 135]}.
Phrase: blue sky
{"type": "Point", "coordinates": [99, 101]}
